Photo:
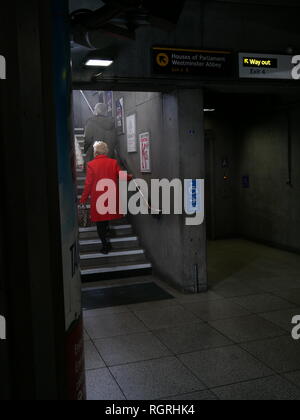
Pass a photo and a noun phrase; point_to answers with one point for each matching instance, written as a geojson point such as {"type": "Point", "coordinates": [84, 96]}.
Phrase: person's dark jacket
{"type": "Point", "coordinates": [99, 128]}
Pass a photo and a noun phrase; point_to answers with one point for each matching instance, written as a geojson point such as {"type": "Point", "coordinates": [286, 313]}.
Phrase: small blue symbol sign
{"type": "Point", "coordinates": [193, 195]}
{"type": "Point", "coordinates": [246, 181]}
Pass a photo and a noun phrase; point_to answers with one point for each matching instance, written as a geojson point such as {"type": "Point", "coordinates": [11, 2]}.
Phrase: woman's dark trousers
{"type": "Point", "coordinates": [103, 232]}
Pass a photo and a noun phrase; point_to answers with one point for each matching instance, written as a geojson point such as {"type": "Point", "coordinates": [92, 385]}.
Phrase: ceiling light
{"type": "Point", "coordinates": [95, 62]}
{"type": "Point", "coordinates": [209, 110]}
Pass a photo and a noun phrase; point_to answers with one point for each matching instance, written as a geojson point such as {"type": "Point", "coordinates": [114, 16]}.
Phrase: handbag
{"type": "Point", "coordinates": [84, 217]}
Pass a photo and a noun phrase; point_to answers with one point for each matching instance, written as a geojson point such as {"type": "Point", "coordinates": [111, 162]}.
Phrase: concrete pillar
{"type": "Point", "coordinates": [192, 166]}
{"type": "Point", "coordinates": [175, 122]}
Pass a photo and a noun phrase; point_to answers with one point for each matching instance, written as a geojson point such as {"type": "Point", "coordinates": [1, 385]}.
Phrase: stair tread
{"type": "Point", "coordinates": [96, 240]}
{"type": "Point", "coordinates": [116, 268]}
{"type": "Point", "coordinates": [118, 222]}
{"type": "Point", "coordinates": [113, 261]}
{"type": "Point", "coordinates": [117, 247]}
{"type": "Point", "coordinates": [114, 234]}
{"type": "Point", "coordinates": [113, 227]}
{"type": "Point", "coordinates": [113, 253]}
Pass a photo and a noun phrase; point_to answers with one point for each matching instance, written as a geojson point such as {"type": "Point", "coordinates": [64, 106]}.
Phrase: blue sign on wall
{"type": "Point", "coordinates": [193, 196]}
{"type": "Point", "coordinates": [246, 181]}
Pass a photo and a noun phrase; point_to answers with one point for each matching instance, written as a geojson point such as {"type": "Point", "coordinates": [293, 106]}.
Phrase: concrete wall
{"type": "Point", "coordinates": [175, 154]}
{"type": "Point", "coordinates": [256, 144]}
{"type": "Point", "coordinates": [270, 209]}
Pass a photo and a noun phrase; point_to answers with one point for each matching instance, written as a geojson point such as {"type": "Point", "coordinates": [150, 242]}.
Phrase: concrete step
{"type": "Point", "coordinates": [92, 260]}
{"type": "Point", "coordinates": [115, 269]}
{"type": "Point", "coordinates": [121, 243]}
{"type": "Point", "coordinates": [115, 235]}
{"type": "Point", "coordinates": [113, 224]}
{"type": "Point", "coordinates": [117, 231]}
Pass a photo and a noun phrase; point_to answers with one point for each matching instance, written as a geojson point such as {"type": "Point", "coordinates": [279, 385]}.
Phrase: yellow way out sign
{"type": "Point", "coordinates": [268, 66]}
{"type": "Point", "coordinates": [259, 62]}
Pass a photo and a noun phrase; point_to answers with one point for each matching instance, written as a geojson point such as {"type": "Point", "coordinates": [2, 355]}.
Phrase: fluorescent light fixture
{"type": "Point", "coordinates": [209, 110]}
{"type": "Point", "coordinates": [95, 62]}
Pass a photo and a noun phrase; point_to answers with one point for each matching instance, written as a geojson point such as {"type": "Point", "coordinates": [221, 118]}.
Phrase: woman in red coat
{"type": "Point", "coordinates": [102, 168]}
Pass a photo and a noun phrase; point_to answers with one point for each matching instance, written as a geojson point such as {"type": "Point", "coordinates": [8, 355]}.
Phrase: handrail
{"type": "Point", "coordinates": [88, 104]}
{"type": "Point", "coordinates": [154, 212]}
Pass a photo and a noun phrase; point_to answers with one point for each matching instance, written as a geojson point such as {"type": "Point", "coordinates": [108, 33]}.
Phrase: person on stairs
{"type": "Point", "coordinates": [100, 126]}
{"type": "Point", "coordinates": [102, 168]}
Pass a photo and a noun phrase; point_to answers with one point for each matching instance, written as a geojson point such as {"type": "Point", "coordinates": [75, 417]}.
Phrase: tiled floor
{"type": "Point", "coordinates": [232, 343]}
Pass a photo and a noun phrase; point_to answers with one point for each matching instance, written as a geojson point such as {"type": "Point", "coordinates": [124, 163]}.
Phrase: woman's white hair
{"type": "Point", "coordinates": [101, 148]}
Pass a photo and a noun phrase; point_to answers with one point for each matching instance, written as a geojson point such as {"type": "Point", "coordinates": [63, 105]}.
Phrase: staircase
{"type": "Point", "coordinates": [127, 258]}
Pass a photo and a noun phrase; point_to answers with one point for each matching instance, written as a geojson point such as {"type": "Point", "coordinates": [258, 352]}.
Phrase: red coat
{"type": "Point", "coordinates": [102, 168]}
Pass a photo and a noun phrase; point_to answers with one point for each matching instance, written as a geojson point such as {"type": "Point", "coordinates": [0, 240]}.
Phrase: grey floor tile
{"type": "Point", "coordinates": [131, 348]}
{"type": "Point", "coordinates": [234, 288]}
{"type": "Point", "coordinates": [267, 389]}
{"type": "Point", "coordinates": [191, 337]}
{"type": "Point", "coordinates": [195, 396]}
{"type": "Point", "coordinates": [292, 295]}
{"type": "Point", "coordinates": [282, 318]}
{"type": "Point", "coordinates": [215, 310]}
{"type": "Point", "coordinates": [102, 386]}
{"type": "Point", "coordinates": [294, 377]}
{"type": "Point", "coordinates": [224, 366]}
{"type": "Point", "coordinates": [262, 303]}
{"type": "Point", "coordinates": [279, 283]}
{"type": "Point", "coordinates": [248, 328]}
{"type": "Point", "coordinates": [156, 379]}
{"type": "Point", "coordinates": [282, 354]}
{"type": "Point", "coordinates": [93, 359]}
{"type": "Point", "coordinates": [153, 306]}
{"type": "Point", "coordinates": [105, 311]}
{"type": "Point", "coordinates": [174, 315]}
{"type": "Point", "coordinates": [200, 297]}
{"type": "Point", "coordinates": [111, 325]}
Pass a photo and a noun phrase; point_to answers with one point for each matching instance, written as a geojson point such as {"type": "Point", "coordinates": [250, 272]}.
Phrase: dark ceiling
{"type": "Point", "coordinates": [105, 27]}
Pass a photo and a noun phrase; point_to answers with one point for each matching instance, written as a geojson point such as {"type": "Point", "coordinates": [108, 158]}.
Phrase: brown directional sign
{"type": "Point", "coordinates": [191, 62]}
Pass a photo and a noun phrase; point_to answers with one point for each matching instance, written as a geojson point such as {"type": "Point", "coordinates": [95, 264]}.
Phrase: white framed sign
{"type": "Point", "coordinates": [131, 133]}
{"type": "Point", "coordinates": [145, 152]}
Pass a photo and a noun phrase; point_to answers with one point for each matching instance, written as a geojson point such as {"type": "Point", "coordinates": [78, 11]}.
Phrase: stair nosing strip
{"type": "Point", "coordinates": [86, 257]}
{"type": "Point", "coordinates": [116, 269]}
{"type": "Point", "coordinates": [94, 229]}
{"type": "Point", "coordinates": [112, 240]}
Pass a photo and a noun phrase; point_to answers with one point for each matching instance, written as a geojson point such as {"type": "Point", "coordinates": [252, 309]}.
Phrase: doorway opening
{"type": "Point", "coordinates": [251, 192]}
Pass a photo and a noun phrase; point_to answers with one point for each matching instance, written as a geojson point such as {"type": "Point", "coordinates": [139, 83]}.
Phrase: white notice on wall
{"type": "Point", "coordinates": [131, 134]}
